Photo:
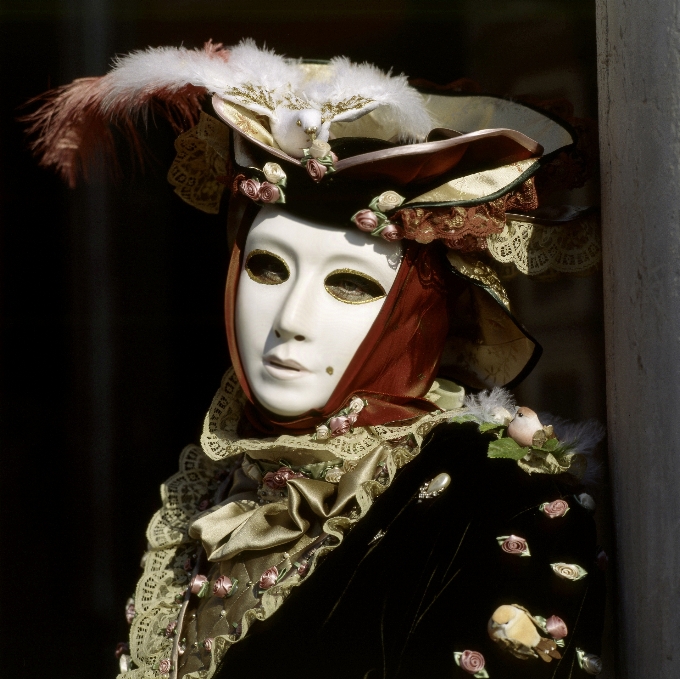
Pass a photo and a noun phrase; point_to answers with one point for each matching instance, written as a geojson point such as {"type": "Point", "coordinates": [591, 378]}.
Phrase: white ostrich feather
{"type": "Point", "coordinates": [272, 85]}
{"type": "Point", "coordinates": [167, 68]}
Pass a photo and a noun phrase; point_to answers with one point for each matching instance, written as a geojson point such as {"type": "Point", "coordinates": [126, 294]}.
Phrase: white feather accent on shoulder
{"type": "Point", "coordinates": [494, 406]}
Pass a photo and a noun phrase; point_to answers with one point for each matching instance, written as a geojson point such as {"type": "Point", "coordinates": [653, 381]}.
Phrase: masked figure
{"type": "Point", "coordinates": [366, 500]}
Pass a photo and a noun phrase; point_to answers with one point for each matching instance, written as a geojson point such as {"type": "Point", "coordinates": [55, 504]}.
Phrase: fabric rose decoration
{"type": "Point", "coordinates": [391, 232]}
{"type": "Point", "coordinates": [198, 585]}
{"type": "Point", "coordinates": [130, 612]}
{"type": "Point", "coordinates": [366, 220]}
{"type": "Point", "coordinates": [319, 160]}
{"type": "Point", "coordinates": [374, 220]}
{"type": "Point", "coordinates": [555, 509]}
{"type": "Point", "coordinates": [471, 662]}
{"type": "Point", "coordinates": [250, 188]}
{"type": "Point", "coordinates": [223, 587]}
{"type": "Point", "coordinates": [265, 192]}
{"type": "Point", "coordinates": [268, 578]}
{"type": "Point", "coordinates": [319, 149]}
{"type": "Point", "coordinates": [278, 479]}
{"type": "Point", "coordinates": [569, 571]}
{"type": "Point", "coordinates": [315, 169]}
{"type": "Point", "coordinates": [170, 629]}
{"type": "Point", "coordinates": [269, 193]}
{"type": "Point", "coordinates": [340, 425]}
{"type": "Point", "coordinates": [164, 666]}
{"type": "Point", "coordinates": [274, 173]}
{"type": "Point", "coordinates": [556, 627]}
{"type": "Point", "coordinates": [208, 643]}
{"type": "Point", "coordinates": [388, 201]}
{"type": "Point", "coordinates": [356, 405]}
{"type": "Point", "coordinates": [511, 544]}
{"type": "Point", "coordinates": [589, 663]}
{"type": "Point", "coordinates": [302, 568]}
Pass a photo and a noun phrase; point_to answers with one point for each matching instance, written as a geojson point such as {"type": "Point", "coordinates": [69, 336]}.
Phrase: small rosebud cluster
{"type": "Point", "coordinates": [319, 160]}
{"type": "Point", "coordinates": [341, 423]}
{"type": "Point", "coordinates": [374, 220]}
{"type": "Point", "coordinates": [269, 191]}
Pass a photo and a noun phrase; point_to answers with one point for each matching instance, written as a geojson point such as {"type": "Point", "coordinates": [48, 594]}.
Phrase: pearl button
{"type": "Point", "coordinates": [438, 483]}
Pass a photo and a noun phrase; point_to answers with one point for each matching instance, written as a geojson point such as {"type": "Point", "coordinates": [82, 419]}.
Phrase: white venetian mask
{"type": "Point", "coordinates": [307, 296]}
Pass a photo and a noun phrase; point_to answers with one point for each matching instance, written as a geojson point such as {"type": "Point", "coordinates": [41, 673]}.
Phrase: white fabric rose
{"type": "Point", "coordinates": [319, 149]}
{"type": "Point", "coordinates": [274, 173]}
{"type": "Point", "coordinates": [389, 200]}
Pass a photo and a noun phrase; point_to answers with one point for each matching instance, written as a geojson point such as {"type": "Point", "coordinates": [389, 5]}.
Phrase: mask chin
{"type": "Point", "coordinates": [307, 295]}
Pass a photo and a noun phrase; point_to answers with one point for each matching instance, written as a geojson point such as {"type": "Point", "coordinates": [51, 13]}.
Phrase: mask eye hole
{"type": "Point", "coordinates": [353, 287]}
{"type": "Point", "coordinates": [266, 268]}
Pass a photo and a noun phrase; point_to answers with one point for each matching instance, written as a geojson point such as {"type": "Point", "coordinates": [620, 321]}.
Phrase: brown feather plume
{"type": "Point", "coordinates": [72, 126]}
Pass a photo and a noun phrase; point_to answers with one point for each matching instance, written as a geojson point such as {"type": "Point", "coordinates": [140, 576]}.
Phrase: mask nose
{"type": "Point", "coordinates": [296, 316]}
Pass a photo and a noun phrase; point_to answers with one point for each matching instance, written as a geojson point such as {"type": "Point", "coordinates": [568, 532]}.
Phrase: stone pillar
{"type": "Point", "coordinates": [639, 111]}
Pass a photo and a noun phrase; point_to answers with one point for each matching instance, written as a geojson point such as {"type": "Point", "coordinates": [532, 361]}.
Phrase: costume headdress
{"type": "Point", "coordinates": [449, 173]}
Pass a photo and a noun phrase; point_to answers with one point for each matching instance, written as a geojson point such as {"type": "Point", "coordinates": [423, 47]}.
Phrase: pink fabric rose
{"type": "Point", "coordinates": [197, 583]}
{"type": "Point", "coordinates": [170, 629]}
{"type": "Point", "coordinates": [366, 220]}
{"type": "Point", "coordinates": [278, 479]}
{"type": "Point", "coordinates": [556, 508]}
{"type": "Point", "coordinates": [315, 169]}
{"type": "Point", "coordinates": [203, 505]}
{"type": "Point", "coordinates": [556, 627]}
{"type": "Point", "coordinates": [122, 649]}
{"type": "Point", "coordinates": [130, 613]}
{"type": "Point", "coordinates": [207, 644]}
{"type": "Point", "coordinates": [268, 193]}
{"type": "Point", "coordinates": [268, 578]}
{"type": "Point", "coordinates": [250, 188]}
{"type": "Point", "coordinates": [472, 661]}
{"type": "Point", "coordinates": [391, 232]}
{"type": "Point", "coordinates": [340, 425]}
{"type": "Point", "coordinates": [302, 569]}
{"type": "Point", "coordinates": [222, 587]}
{"type": "Point", "coordinates": [514, 545]}
{"type": "Point", "coordinates": [164, 666]}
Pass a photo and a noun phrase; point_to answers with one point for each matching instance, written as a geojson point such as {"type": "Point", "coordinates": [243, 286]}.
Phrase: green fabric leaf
{"type": "Point", "coordinates": [490, 426]}
{"type": "Point", "coordinates": [550, 445]}
{"type": "Point", "coordinates": [506, 448]}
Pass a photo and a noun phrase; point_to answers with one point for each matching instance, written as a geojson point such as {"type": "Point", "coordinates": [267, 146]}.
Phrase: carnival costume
{"type": "Point", "coordinates": [403, 529]}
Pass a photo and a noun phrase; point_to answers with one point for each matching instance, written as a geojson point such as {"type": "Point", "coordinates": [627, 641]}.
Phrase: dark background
{"type": "Point", "coordinates": [112, 335]}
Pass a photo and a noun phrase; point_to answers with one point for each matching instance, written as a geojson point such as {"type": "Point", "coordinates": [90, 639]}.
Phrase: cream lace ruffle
{"type": "Point", "coordinates": [544, 250]}
{"type": "Point", "coordinates": [220, 441]}
{"type": "Point", "coordinates": [161, 589]}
